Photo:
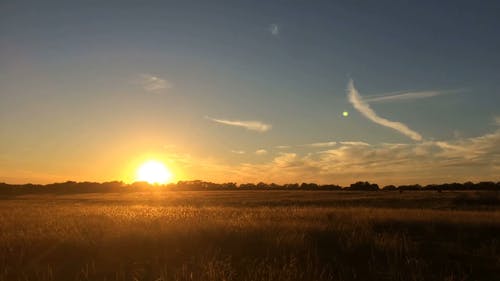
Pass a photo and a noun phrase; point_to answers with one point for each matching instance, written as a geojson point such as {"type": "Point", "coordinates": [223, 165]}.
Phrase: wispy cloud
{"type": "Point", "coordinates": [283, 146]}
{"type": "Point", "coordinates": [274, 29]}
{"type": "Point", "coordinates": [321, 144]}
{"type": "Point", "coordinates": [261, 151]}
{"type": "Point", "coordinates": [249, 125]}
{"type": "Point", "coordinates": [355, 143]}
{"type": "Point", "coordinates": [398, 96]}
{"type": "Point", "coordinates": [238, 151]}
{"type": "Point", "coordinates": [360, 105]}
{"type": "Point", "coordinates": [285, 160]}
{"type": "Point", "coordinates": [154, 84]}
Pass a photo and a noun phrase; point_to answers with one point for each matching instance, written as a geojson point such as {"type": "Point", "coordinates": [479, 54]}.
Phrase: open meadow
{"type": "Point", "coordinates": [246, 140]}
{"type": "Point", "coordinates": [251, 235]}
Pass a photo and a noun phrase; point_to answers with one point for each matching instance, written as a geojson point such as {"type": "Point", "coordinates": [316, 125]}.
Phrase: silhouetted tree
{"type": "Point", "coordinates": [247, 186]}
{"type": "Point", "coordinates": [291, 186]}
{"type": "Point", "coordinates": [262, 185]}
{"type": "Point", "coordinates": [330, 187]}
{"type": "Point", "coordinates": [389, 187]}
{"type": "Point", "coordinates": [117, 186]}
{"type": "Point", "coordinates": [308, 186]}
{"type": "Point", "coordinates": [410, 187]}
{"type": "Point", "coordinates": [363, 186]}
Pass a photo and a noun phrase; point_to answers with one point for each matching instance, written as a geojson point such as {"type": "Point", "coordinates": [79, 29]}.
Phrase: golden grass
{"type": "Point", "coordinates": [207, 236]}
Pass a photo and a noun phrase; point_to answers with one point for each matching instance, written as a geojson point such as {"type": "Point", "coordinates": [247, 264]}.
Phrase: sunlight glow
{"type": "Point", "coordinates": [154, 172]}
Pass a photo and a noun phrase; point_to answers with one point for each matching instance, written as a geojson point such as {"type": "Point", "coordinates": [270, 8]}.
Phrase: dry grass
{"type": "Point", "coordinates": [267, 236]}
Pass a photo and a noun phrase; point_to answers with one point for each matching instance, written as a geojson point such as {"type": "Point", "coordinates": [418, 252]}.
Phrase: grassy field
{"type": "Point", "coordinates": [251, 235]}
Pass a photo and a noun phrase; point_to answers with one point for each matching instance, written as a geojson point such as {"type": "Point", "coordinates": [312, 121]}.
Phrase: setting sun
{"type": "Point", "coordinates": [154, 172]}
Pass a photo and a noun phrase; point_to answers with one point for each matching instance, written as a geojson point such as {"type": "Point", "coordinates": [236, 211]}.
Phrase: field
{"type": "Point", "coordinates": [251, 235]}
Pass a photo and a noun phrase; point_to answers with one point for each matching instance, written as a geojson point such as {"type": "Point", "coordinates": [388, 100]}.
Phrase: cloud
{"type": "Point", "coordinates": [154, 84]}
{"type": "Point", "coordinates": [286, 160]}
{"type": "Point", "coordinates": [274, 29]}
{"type": "Point", "coordinates": [249, 125]}
{"type": "Point", "coordinates": [475, 159]}
{"type": "Point", "coordinates": [238, 151]}
{"type": "Point", "coordinates": [360, 105]}
{"type": "Point", "coordinates": [407, 96]}
{"type": "Point", "coordinates": [283, 146]}
{"type": "Point", "coordinates": [321, 144]}
{"type": "Point", "coordinates": [261, 152]}
{"type": "Point", "coordinates": [354, 143]}
{"type": "Point", "coordinates": [425, 162]}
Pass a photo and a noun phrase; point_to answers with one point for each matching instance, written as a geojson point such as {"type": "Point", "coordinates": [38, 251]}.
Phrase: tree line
{"type": "Point", "coordinates": [117, 186]}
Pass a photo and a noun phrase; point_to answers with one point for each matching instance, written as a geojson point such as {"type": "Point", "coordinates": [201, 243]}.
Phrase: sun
{"type": "Point", "coordinates": [154, 172]}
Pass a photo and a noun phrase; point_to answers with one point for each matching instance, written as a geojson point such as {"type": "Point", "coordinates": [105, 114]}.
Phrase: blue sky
{"type": "Point", "coordinates": [86, 86]}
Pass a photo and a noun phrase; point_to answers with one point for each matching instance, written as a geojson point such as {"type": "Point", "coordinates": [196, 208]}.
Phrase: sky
{"type": "Point", "coordinates": [392, 92]}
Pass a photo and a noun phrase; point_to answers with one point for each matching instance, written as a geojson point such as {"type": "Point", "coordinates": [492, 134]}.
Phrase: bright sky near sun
{"type": "Point", "coordinates": [393, 92]}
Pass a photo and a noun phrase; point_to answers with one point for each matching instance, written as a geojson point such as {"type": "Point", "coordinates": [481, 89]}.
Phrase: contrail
{"type": "Point", "coordinates": [360, 105]}
{"type": "Point", "coordinates": [407, 96]}
{"type": "Point", "coordinates": [249, 125]}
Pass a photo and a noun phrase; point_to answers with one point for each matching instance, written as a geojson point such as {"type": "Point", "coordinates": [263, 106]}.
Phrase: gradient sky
{"type": "Point", "coordinates": [250, 91]}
